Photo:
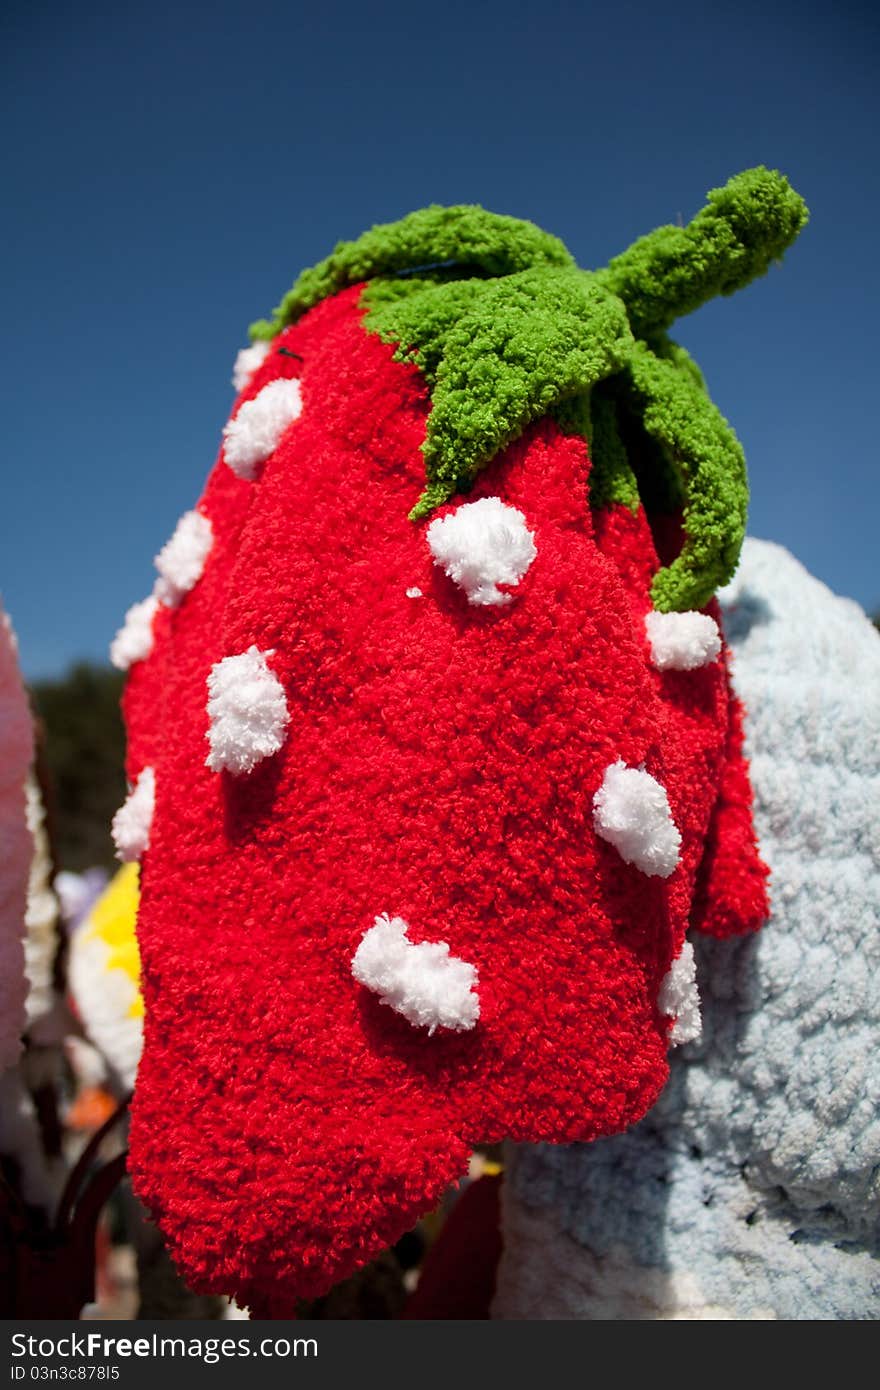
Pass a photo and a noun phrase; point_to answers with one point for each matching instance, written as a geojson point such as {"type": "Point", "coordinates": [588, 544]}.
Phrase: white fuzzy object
{"type": "Point", "coordinates": [414, 592]}
{"type": "Point", "coordinates": [546, 1275]}
{"type": "Point", "coordinates": [682, 641]}
{"type": "Point", "coordinates": [181, 561]}
{"type": "Point", "coordinates": [679, 997]}
{"type": "Point", "coordinates": [106, 1001]}
{"type": "Point", "coordinates": [480, 545]}
{"type": "Point", "coordinates": [16, 844]}
{"type": "Point", "coordinates": [247, 711]}
{"type": "Point", "coordinates": [41, 921]}
{"type": "Point", "coordinates": [631, 811]}
{"type": "Point", "coordinates": [132, 822]}
{"type": "Point", "coordinates": [134, 640]}
{"type": "Point", "coordinates": [255, 431]}
{"type": "Point", "coordinates": [423, 982]}
{"type": "Point", "coordinates": [246, 363]}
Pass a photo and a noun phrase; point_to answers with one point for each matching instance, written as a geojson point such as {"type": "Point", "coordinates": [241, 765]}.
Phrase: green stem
{"type": "Point", "coordinates": [746, 224]}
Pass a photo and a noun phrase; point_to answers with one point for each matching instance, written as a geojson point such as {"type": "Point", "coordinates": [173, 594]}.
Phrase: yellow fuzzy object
{"type": "Point", "coordinates": [112, 920]}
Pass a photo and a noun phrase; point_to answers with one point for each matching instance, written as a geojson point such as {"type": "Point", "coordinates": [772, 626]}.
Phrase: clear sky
{"type": "Point", "coordinates": [168, 169]}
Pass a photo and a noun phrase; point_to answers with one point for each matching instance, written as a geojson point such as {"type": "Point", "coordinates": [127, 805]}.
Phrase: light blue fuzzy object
{"type": "Point", "coordinates": [752, 1190]}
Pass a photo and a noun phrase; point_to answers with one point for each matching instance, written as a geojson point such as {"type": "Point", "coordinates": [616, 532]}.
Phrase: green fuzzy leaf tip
{"type": "Point", "coordinates": [745, 226]}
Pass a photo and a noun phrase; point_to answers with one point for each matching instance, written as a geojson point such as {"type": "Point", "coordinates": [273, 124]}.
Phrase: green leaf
{"type": "Point", "coordinates": [529, 341]}
{"type": "Point", "coordinates": [709, 459]}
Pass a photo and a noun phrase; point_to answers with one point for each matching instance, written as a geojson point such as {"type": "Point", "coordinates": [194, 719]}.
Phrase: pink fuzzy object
{"type": "Point", "coordinates": [16, 843]}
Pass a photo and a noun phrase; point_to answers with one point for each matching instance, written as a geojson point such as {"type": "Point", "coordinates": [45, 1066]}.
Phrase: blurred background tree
{"type": "Point", "coordinates": [84, 748]}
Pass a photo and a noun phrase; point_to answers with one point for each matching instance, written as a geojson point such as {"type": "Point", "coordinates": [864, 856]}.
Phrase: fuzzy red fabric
{"type": "Point", "coordinates": [440, 765]}
{"type": "Point", "coordinates": [730, 895]}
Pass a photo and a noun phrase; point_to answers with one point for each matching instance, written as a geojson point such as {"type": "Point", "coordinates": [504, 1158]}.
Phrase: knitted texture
{"type": "Point", "coordinates": [391, 903]}
{"type": "Point", "coordinates": [751, 1190]}
{"type": "Point", "coordinates": [16, 844]}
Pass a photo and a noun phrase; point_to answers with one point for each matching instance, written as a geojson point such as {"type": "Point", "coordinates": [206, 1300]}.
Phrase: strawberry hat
{"type": "Point", "coordinates": [431, 743]}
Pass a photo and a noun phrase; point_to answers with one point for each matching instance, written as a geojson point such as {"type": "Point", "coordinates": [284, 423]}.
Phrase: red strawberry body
{"type": "Point", "coordinates": [439, 764]}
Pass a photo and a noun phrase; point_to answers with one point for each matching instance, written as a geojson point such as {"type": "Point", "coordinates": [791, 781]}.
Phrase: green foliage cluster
{"type": "Point", "coordinates": [506, 329]}
{"type": "Point", "coordinates": [84, 751]}
{"type": "Point", "coordinates": [434, 236]}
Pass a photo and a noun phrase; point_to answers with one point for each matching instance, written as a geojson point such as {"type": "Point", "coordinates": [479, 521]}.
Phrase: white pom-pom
{"type": "Point", "coordinates": [679, 998]}
{"type": "Point", "coordinates": [247, 710]}
{"type": "Point", "coordinates": [480, 545]}
{"type": "Point", "coordinates": [246, 363]}
{"type": "Point", "coordinates": [255, 432]}
{"type": "Point", "coordinates": [134, 640]}
{"type": "Point", "coordinates": [631, 811]}
{"type": "Point", "coordinates": [682, 641]}
{"type": "Point", "coordinates": [414, 592]}
{"type": "Point", "coordinates": [181, 561]}
{"type": "Point", "coordinates": [132, 822]}
{"type": "Point", "coordinates": [423, 982]}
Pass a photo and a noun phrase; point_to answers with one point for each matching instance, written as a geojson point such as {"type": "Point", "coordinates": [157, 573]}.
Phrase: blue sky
{"type": "Point", "coordinates": [168, 169]}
